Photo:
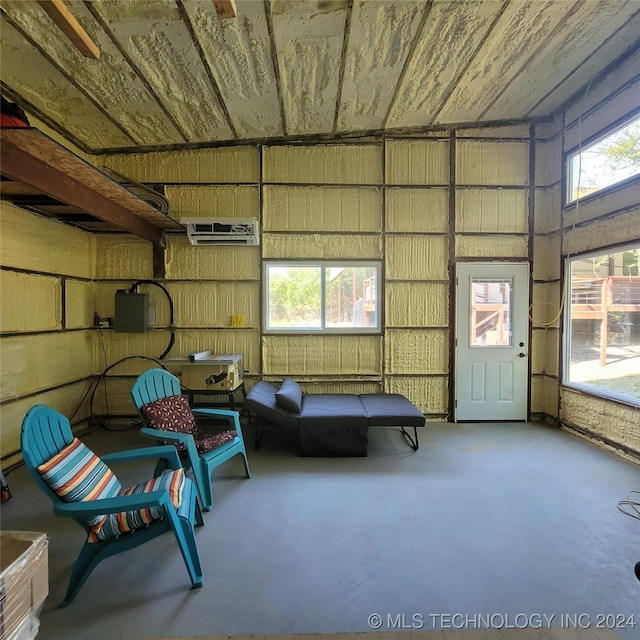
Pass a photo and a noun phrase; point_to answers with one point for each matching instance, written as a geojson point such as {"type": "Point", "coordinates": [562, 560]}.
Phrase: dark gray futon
{"type": "Point", "coordinates": [330, 423]}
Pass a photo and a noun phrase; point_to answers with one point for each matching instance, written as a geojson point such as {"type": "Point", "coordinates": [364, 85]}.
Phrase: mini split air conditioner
{"type": "Point", "coordinates": [222, 231]}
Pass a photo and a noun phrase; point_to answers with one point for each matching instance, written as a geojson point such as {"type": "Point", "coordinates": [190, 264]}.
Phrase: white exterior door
{"type": "Point", "coordinates": [492, 350]}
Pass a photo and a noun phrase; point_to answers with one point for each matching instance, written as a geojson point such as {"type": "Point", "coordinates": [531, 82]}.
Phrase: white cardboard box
{"type": "Point", "coordinates": [24, 582]}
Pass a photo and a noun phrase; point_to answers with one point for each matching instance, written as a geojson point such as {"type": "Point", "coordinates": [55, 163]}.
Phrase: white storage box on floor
{"type": "Point", "coordinates": [24, 583]}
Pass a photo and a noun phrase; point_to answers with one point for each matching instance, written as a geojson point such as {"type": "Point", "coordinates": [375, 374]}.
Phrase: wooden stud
{"type": "Point", "coordinates": [225, 9]}
{"type": "Point", "coordinates": [64, 19]}
{"type": "Point", "coordinates": [159, 267]}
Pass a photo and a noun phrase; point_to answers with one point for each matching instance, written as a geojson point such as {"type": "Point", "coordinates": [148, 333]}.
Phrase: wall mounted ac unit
{"type": "Point", "coordinates": [222, 231]}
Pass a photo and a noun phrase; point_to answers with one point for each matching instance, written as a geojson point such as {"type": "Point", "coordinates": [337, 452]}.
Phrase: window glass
{"type": "Point", "coordinates": [490, 324]}
{"type": "Point", "coordinates": [602, 343]}
{"type": "Point", "coordinates": [610, 160]}
{"type": "Point", "coordinates": [294, 296]}
{"type": "Point", "coordinates": [331, 297]}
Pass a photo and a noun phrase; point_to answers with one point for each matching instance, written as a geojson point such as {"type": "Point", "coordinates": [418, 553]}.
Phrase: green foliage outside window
{"type": "Point", "coordinates": [325, 296]}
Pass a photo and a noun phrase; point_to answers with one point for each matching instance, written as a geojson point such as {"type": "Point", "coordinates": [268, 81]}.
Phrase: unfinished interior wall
{"type": "Point", "coordinates": [418, 205]}
{"type": "Point", "coordinates": [492, 189]}
{"type": "Point", "coordinates": [46, 322]}
{"type": "Point", "coordinates": [416, 224]}
{"type": "Point", "coordinates": [599, 223]}
{"type": "Point", "coordinates": [546, 307]}
{"type": "Point", "coordinates": [323, 201]}
{"type": "Point", "coordinates": [207, 285]}
{"type": "Point", "coordinates": [415, 204]}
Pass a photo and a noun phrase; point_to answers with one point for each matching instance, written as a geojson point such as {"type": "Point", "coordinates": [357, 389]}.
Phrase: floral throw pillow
{"type": "Point", "coordinates": [210, 442]}
{"type": "Point", "coordinates": [171, 414]}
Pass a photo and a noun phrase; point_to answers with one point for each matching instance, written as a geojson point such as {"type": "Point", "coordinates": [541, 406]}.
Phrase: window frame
{"type": "Point", "coordinates": [323, 265]}
{"type": "Point", "coordinates": [568, 327]}
{"type": "Point", "coordinates": [582, 147]}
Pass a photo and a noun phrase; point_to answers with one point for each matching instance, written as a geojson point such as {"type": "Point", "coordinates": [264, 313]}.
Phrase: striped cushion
{"type": "Point", "coordinates": [118, 523]}
{"type": "Point", "coordinates": [77, 474]}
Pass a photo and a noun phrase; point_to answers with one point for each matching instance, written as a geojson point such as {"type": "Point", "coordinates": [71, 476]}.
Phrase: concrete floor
{"type": "Point", "coordinates": [516, 522]}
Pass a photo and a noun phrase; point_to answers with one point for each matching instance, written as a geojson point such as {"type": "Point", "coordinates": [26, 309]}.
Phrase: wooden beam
{"type": "Point", "coordinates": [18, 164]}
{"type": "Point", "coordinates": [159, 269]}
{"type": "Point", "coordinates": [225, 9]}
{"type": "Point", "coordinates": [64, 19]}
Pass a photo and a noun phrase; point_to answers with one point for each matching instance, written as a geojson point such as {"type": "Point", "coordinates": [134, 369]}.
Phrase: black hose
{"type": "Point", "coordinates": [103, 425]}
{"type": "Point", "coordinates": [172, 339]}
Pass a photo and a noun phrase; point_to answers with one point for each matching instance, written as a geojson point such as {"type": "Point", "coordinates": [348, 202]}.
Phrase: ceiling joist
{"type": "Point", "coordinates": [33, 159]}
{"type": "Point", "coordinates": [64, 19]}
{"type": "Point", "coordinates": [225, 9]}
{"type": "Point", "coordinates": [295, 71]}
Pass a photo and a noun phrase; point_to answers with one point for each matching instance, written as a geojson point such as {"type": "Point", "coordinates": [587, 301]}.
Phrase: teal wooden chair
{"type": "Point", "coordinates": [82, 486]}
{"type": "Point", "coordinates": [168, 418]}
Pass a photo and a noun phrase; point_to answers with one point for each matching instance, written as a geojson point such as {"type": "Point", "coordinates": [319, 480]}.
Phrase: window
{"type": "Point", "coordinates": [604, 162]}
{"type": "Point", "coordinates": [602, 341]}
{"type": "Point", "coordinates": [490, 313]}
{"type": "Point", "coordinates": [327, 297]}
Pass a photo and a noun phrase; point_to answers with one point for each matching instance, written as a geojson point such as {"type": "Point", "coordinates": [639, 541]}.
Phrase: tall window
{"type": "Point", "coordinates": [326, 297]}
{"type": "Point", "coordinates": [604, 162]}
{"type": "Point", "coordinates": [602, 340]}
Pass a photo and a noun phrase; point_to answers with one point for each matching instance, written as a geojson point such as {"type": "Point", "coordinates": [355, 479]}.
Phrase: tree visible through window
{"type": "Point", "coordinates": [322, 297]}
{"type": "Point", "coordinates": [601, 164]}
{"type": "Point", "coordinates": [603, 330]}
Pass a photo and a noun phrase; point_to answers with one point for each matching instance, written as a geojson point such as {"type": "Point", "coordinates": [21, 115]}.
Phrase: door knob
{"type": "Point", "coordinates": [522, 355]}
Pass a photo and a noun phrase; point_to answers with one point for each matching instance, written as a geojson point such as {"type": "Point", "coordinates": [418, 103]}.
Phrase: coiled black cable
{"type": "Point", "coordinates": [102, 376]}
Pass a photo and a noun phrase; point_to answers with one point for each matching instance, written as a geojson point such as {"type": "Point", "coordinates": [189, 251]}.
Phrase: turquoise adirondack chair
{"type": "Point", "coordinates": [175, 423]}
{"type": "Point", "coordinates": [82, 486]}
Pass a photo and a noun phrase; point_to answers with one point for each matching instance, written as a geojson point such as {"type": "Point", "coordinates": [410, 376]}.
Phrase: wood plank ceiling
{"type": "Point", "coordinates": [172, 74]}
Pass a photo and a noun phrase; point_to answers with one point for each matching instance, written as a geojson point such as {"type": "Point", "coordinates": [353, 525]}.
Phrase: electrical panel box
{"type": "Point", "coordinates": [132, 312]}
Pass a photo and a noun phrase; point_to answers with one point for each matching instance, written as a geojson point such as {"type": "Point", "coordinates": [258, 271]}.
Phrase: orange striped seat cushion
{"type": "Point", "coordinates": [127, 521]}
{"type": "Point", "coordinates": [76, 474]}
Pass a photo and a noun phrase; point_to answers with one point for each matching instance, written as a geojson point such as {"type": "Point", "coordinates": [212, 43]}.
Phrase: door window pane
{"type": "Point", "coordinates": [490, 324]}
